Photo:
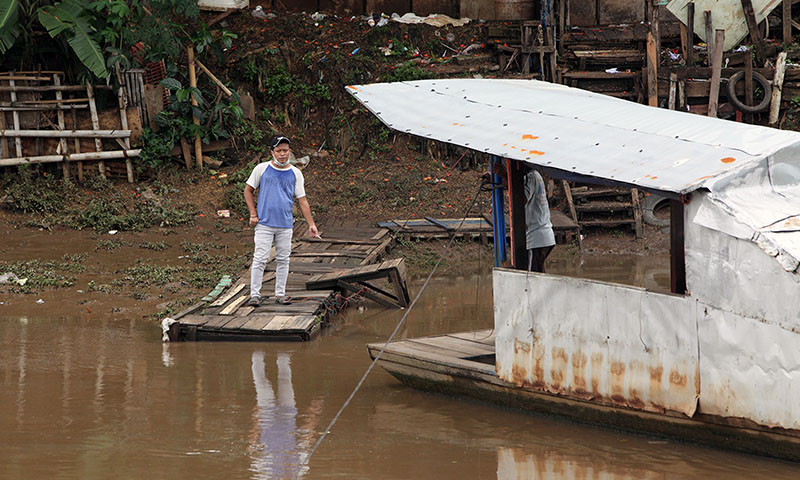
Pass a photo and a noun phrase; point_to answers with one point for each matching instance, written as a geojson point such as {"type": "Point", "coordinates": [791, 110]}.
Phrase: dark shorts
{"type": "Point", "coordinates": [536, 258]}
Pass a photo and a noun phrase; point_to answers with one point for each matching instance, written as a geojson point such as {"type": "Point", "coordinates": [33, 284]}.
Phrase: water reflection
{"type": "Point", "coordinates": [276, 453]}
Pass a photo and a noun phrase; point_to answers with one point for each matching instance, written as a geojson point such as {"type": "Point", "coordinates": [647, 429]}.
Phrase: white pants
{"type": "Point", "coordinates": [263, 238]}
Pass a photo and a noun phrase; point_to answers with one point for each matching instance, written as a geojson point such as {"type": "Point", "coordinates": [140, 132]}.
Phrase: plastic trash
{"type": "Point", "coordinates": [112, 232]}
{"type": "Point", "coordinates": [40, 301]}
{"type": "Point", "coordinates": [382, 22]}
{"type": "Point", "coordinates": [612, 70]}
{"type": "Point", "coordinates": [371, 22]}
{"type": "Point", "coordinates": [224, 213]}
{"type": "Point", "coordinates": [259, 12]}
{"type": "Point", "coordinates": [317, 17]}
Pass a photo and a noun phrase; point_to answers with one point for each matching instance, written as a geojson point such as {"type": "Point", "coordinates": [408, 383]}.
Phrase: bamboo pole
{"type": "Point", "coordinates": [6, 107]}
{"type": "Point", "coordinates": [42, 88]}
{"type": "Point", "coordinates": [4, 151]}
{"type": "Point", "coordinates": [66, 133]}
{"type": "Point", "coordinates": [15, 116]}
{"type": "Point", "coordinates": [113, 154]}
{"type": "Point", "coordinates": [214, 78]}
{"type": "Point", "coordinates": [777, 89]}
{"type": "Point", "coordinates": [123, 119]}
{"type": "Point", "coordinates": [98, 145]}
{"type": "Point", "coordinates": [77, 146]}
{"type": "Point", "coordinates": [48, 102]}
{"type": "Point", "coordinates": [198, 147]}
{"type": "Point", "coordinates": [61, 126]}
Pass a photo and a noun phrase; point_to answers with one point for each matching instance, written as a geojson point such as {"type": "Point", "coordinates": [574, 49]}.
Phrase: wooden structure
{"type": "Point", "coordinates": [430, 227]}
{"type": "Point", "coordinates": [225, 315]}
{"type": "Point", "coordinates": [357, 280]}
{"type": "Point", "coordinates": [37, 118]}
{"type": "Point", "coordinates": [593, 206]}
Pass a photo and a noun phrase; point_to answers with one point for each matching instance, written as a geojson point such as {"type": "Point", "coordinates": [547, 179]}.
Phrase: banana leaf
{"type": "Point", "coordinates": [9, 26]}
{"type": "Point", "coordinates": [72, 16]}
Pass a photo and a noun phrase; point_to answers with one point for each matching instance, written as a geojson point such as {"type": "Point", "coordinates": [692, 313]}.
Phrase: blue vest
{"type": "Point", "coordinates": [276, 197]}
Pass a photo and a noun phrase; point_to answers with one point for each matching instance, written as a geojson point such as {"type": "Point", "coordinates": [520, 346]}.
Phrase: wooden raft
{"type": "Point", "coordinates": [225, 315]}
{"type": "Point", "coordinates": [430, 227]}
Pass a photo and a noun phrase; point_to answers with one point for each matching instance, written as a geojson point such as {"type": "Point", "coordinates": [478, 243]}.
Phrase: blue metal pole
{"type": "Point", "coordinates": [499, 223]}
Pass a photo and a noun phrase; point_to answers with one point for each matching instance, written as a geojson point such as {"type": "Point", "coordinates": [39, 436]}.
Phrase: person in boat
{"type": "Point", "coordinates": [539, 237]}
{"type": "Point", "coordinates": [278, 184]}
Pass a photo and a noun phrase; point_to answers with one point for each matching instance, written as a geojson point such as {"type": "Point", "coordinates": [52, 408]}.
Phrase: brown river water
{"type": "Point", "coordinates": [96, 395]}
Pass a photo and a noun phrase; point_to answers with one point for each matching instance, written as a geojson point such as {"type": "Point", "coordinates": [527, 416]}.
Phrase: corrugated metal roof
{"type": "Point", "coordinates": [576, 132]}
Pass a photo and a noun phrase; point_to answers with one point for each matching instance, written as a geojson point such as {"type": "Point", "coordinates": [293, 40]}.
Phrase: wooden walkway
{"type": "Point", "coordinates": [225, 315]}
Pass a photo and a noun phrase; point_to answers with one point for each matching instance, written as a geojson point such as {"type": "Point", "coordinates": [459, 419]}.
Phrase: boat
{"type": "Point", "coordinates": [717, 359]}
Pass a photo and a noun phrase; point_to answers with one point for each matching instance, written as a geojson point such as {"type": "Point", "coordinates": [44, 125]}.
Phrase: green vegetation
{"type": "Point", "coordinates": [44, 273]}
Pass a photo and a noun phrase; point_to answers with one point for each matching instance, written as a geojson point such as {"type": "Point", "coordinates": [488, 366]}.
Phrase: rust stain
{"type": "Point", "coordinates": [597, 366]}
{"type": "Point", "coordinates": [538, 369]}
{"type": "Point", "coordinates": [617, 381]}
{"type": "Point", "coordinates": [528, 136]}
{"type": "Point", "coordinates": [579, 361]}
{"type": "Point", "coordinates": [519, 370]}
{"type": "Point", "coordinates": [727, 160]}
{"type": "Point", "coordinates": [559, 370]}
{"type": "Point", "coordinates": [676, 378]}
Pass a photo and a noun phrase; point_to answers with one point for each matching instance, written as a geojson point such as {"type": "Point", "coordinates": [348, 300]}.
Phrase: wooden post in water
{"type": "Point", "coordinates": [198, 146]}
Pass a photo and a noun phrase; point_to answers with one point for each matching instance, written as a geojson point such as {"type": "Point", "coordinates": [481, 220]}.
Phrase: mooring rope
{"type": "Point", "coordinates": [388, 340]}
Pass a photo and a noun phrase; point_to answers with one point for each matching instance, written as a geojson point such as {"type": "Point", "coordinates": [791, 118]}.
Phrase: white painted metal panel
{"type": "Point", "coordinates": [736, 274]}
{"type": "Point", "coordinates": [725, 15]}
{"type": "Point", "coordinates": [749, 369]}
{"type": "Point", "coordinates": [572, 130]}
{"type": "Point", "coordinates": [611, 344]}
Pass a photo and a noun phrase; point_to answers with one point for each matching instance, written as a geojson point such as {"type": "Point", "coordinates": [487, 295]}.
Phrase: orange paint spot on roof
{"type": "Point", "coordinates": [529, 137]}
{"type": "Point", "coordinates": [727, 160]}
{"type": "Point", "coordinates": [535, 152]}
{"type": "Point", "coordinates": [352, 87]}
{"type": "Point", "coordinates": [653, 178]}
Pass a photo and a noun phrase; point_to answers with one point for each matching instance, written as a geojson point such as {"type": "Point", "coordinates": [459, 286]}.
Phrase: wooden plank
{"type": "Point", "coordinates": [752, 27]}
{"type": "Point", "coordinates": [439, 224]}
{"type": "Point", "coordinates": [337, 241]}
{"type": "Point", "coordinates": [217, 322]}
{"type": "Point", "coordinates": [716, 65]}
{"type": "Point", "coordinates": [98, 145]}
{"type": "Point", "coordinates": [194, 319]}
{"type": "Point", "coordinates": [279, 323]}
{"type": "Point", "coordinates": [123, 121]}
{"type": "Point", "coordinates": [237, 322]}
{"type": "Point", "coordinates": [381, 233]}
{"type": "Point", "coordinates": [652, 71]}
{"type": "Point", "coordinates": [777, 87]}
{"type": "Point", "coordinates": [61, 126]}
{"type": "Point", "coordinates": [231, 293]}
{"type": "Point", "coordinates": [15, 118]}
{"type": "Point", "coordinates": [462, 347]}
{"type": "Point", "coordinates": [708, 21]}
{"type": "Point", "coordinates": [480, 336]}
{"type": "Point", "coordinates": [257, 321]}
{"type": "Point", "coordinates": [690, 35]}
{"type": "Point", "coordinates": [367, 294]}
{"type": "Point", "coordinates": [329, 254]}
{"type": "Point", "coordinates": [637, 212]}
{"type": "Point", "coordinates": [787, 21]}
{"type": "Point", "coordinates": [77, 146]}
{"type": "Point", "coordinates": [378, 251]}
{"type": "Point", "coordinates": [230, 309]}
{"type": "Point", "coordinates": [303, 322]}
{"type": "Point", "coordinates": [244, 311]}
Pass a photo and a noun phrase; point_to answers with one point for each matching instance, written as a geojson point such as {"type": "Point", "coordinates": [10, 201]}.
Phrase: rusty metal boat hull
{"type": "Point", "coordinates": [435, 364]}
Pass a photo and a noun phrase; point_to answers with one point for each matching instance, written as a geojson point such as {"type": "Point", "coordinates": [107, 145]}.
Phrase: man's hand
{"type": "Point", "coordinates": [313, 232]}
{"type": "Point", "coordinates": [253, 220]}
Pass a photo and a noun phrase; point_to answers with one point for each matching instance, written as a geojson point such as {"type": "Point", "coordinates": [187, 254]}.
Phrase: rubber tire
{"type": "Point", "coordinates": [765, 84]}
{"type": "Point", "coordinates": [650, 203]}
